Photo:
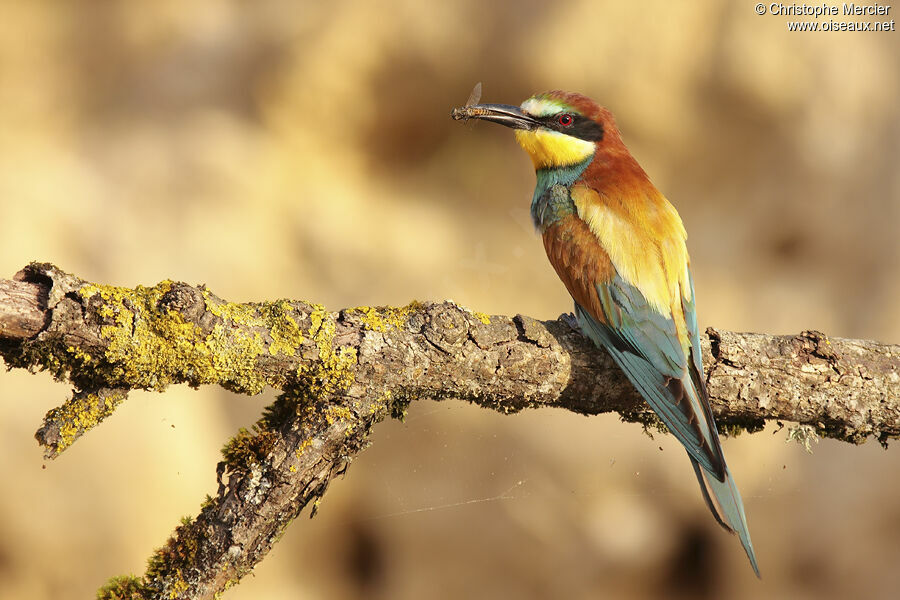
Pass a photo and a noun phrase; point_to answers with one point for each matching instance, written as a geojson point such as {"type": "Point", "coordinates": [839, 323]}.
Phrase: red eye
{"type": "Point", "coordinates": [566, 119]}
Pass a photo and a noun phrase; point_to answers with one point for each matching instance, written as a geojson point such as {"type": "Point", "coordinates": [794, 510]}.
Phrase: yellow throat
{"type": "Point", "coordinates": [552, 149]}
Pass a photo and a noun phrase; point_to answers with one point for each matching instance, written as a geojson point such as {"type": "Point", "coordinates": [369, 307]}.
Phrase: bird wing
{"type": "Point", "coordinates": [642, 311]}
{"type": "Point", "coordinates": [644, 345]}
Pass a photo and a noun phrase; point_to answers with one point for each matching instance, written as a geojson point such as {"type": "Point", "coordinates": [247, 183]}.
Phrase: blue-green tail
{"type": "Point", "coordinates": [645, 345]}
{"type": "Point", "coordinates": [724, 501]}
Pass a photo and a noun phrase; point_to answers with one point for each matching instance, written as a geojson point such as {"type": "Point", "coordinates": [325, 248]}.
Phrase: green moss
{"type": "Point", "coordinates": [125, 587]}
{"type": "Point", "coordinates": [209, 503]}
{"type": "Point", "coordinates": [648, 419]}
{"type": "Point", "coordinates": [249, 448]}
{"type": "Point", "coordinates": [399, 407]}
{"type": "Point", "coordinates": [736, 428]}
{"type": "Point", "coordinates": [651, 422]}
{"type": "Point", "coordinates": [166, 569]}
{"type": "Point", "coordinates": [150, 345]}
{"type": "Point", "coordinates": [40, 355]}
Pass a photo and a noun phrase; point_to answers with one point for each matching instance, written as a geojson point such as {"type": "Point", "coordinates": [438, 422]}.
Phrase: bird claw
{"type": "Point", "coordinates": [570, 320]}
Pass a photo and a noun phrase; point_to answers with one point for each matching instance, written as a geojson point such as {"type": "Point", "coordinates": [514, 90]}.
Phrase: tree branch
{"type": "Point", "coordinates": [341, 372]}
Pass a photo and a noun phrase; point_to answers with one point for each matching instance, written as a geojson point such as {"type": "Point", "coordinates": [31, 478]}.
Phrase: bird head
{"type": "Point", "coordinates": [557, 129]}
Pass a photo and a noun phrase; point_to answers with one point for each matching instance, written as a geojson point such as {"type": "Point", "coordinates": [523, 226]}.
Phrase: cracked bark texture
{"type": "Point", "coordinates": [341, 372]}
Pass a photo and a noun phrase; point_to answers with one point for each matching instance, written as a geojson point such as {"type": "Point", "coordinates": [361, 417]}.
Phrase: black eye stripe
{"type": "Point", "coordinates": [581, 127]}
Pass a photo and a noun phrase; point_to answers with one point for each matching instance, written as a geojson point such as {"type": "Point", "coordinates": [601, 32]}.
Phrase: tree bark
{"type": "Point", "coordinates": [341, 372]}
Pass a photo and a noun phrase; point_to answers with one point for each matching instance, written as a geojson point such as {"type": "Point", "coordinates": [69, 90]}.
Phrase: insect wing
{"type": "Point", "coordinates": [475, 96]}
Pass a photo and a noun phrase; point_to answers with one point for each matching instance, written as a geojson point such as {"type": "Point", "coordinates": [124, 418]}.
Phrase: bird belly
{"type": "Point", "coordinates": [579, 259]}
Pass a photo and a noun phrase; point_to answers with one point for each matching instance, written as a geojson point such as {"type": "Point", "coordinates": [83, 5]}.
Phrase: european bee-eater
{"type": "Point", "coordinates": [619, 247]}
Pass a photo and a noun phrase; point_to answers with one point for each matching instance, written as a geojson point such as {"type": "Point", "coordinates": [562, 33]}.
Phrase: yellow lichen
{"type": "Point", "coordinates": [80, 355]}
{"type": "Point", "coordinates": [335, 413]}
{"type": "Point", "coordinates": [303, 446]}
{"type": "Point", "coordinates": [179, 586]}
{"type": "Point", "coordinates": [482, 317]}
{"type": "Point", "coordinates": [88, 291]}
{"type": "Point", "coordinates": [330, 372]}
{"type": "Point", "coordinates": [151, 347]}
{"type": "Point", "coordinates": [286, 334]}
{"type": "Point", "coordinates": [316, 317]}
{"type": "Point", "coordinates": [333, 372]}
{"type": "Point", "coordinates": [384, 318]}
{"type": "Point", "coordinates": [341, 415]}
{"type": "Point", "coordinates": [242, 314]}
{"type": "Point", "coordinates": [81, 413]}
{"type": "Point", "coordinates": [381, 402]}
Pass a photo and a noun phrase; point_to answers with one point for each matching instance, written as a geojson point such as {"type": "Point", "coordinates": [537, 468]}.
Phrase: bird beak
{"type": "Point", "coordinates": [505, 114]}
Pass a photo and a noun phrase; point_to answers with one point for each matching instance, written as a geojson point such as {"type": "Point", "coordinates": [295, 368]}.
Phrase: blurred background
{"type": "Point", "coordinates": [304, 150]}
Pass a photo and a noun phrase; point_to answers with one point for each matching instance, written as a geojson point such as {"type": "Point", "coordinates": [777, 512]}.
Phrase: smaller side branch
{"type": "Point", "coordinates": [268, 477]}
{"type": "Point", "coordinates": [83, 411]}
